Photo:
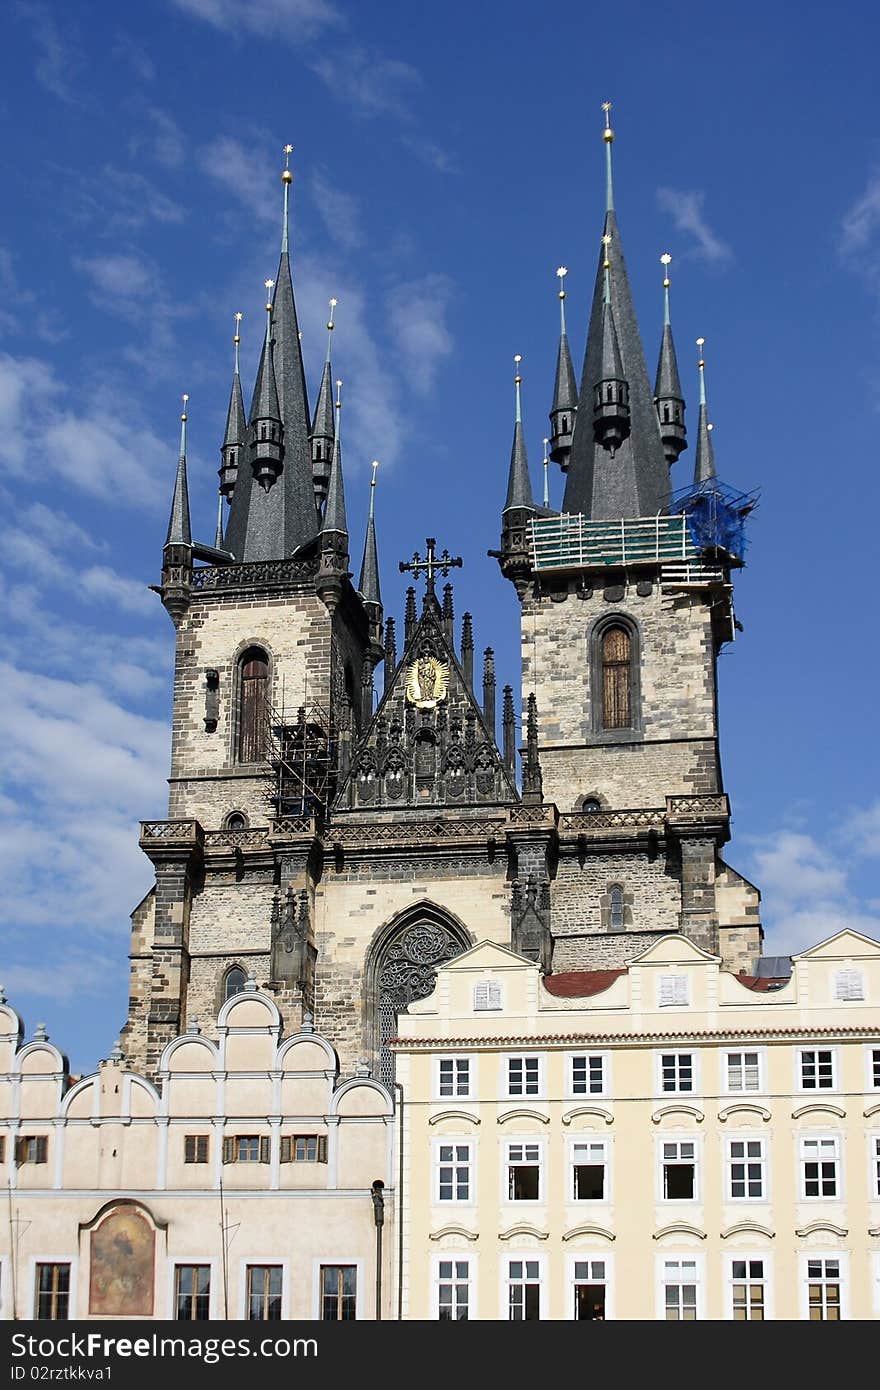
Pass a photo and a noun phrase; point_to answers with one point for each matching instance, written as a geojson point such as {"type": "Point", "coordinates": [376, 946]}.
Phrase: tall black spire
{"type": "Point", "coordinates": [667, 388]}
{"type": "Point", "coordinates": [272, 524]}
{"type": "Point", "coordinates": [235, 438]}
{"type": "Point", "coordinates": [519, 486]}
{"type": "Point", "coordinates": [333, 538]}
{"type": "Point", "coordinates": [179, 530]}
{"type": "Point", "coordinates": [565, 393]}
{"type": "Point", "coordinates": [611, 392]}
{"type": "Point", "coordinates": [635, 482]}
{"type": "Point", "coordinates": [368, 583]}
{"type": "Point", "coordinates": [704, 468]}
{"type": "Point", "coordinates": [265, 430]}
{"type": "Point", "coordinates": [321, 436]}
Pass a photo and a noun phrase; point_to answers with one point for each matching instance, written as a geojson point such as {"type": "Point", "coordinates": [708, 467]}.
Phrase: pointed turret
{"type": "Point", "coordinates": [266, 432]}
{"type": "Point", "coordinates": [565, 392]}
{"type": "Point", "coordinates": [321, 436]}
{"type": "Point", "coordinates": [532, 781]}
{"type": "Point", "coordinates": [179, 530]}
{"type": "Point", "coordinates": [235, 438]}
{"type": "Point", "coordinates": [272, 523]}
{"type": "Point", "coordinates": [333, 537]}
{"type": "Point", "coordinates": [704, 468]}
{"type": "Point", "coordinates": [519, 486]}
{"type": "Point", "coordinates": [635, 481]}
{"type": "Point", "coordinates": [368, 584]}
{"type": "Point", "coordinates": [177, 553]}
{"type": "Point", "coordinates": [667, 388]}
{"type": "Point", "coordinates": [467, 649]}
{"type": "Point", "coordinates": [611, 391]}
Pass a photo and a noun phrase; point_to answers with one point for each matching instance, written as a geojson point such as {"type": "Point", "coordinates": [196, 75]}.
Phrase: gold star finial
{"type": "Point", "coordinates": [607, 133]}
{"type": "Point", "coordinates": [286, 175]}
{"type": "Point", "coordinates": [666, 262]}
{"type": "Point", "coordinates": [238, 319]}
{"type": "Point", "coordinates": [562, 271]}
{"type": "Point", "coordinates": [184, 398]}
{"type": "Point", "coordinates": [374, 465]}
{"type": "Point", "coordinates": [333, 303]}
{"type": "Point", "coordinates": [517, 359]}
{"type": "Point", "coordinates": [339, 393]}
{"type": "Point", "coordinates": [606, 242]}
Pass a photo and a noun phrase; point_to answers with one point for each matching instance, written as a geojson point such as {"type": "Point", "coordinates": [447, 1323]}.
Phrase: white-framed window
{"type": "Point", "coordinates": [588, 1073]}
{"type": "Point", "coordinates": [746, 1169]}
{"type": "Point", "coordinates": [453, 1288]}
{"type": "Point", "coordinates": [454, 1078]}
{"type": "Point", "coordinates": [823, 1288]}
{"type": "Point", "coordinates": [681, 1289]}
{"type": "Point", "coordinates": [524, 1075]}
{"type": "Point", "coordinates": [487, 995]}
{"type": "Point", "coordinates": [677, 1073]}
{"type": "Point", "coordinates": [522, 1288]}
{"type": "Point", "coordinates": [453, 1168]}
{"type": "Point", "coordinates": [523, 1161]}
{"type": "Point", "coordinates": [672, 990]}
{"type": "Point", "coordinates": [748, 1287]}
{"type": "Point", "coordinates": [873, 1064]}
{"type": "Point", "coordinates": [678, 1170]}
{"type": "Point", "coordinates": [875, 1167]}
{"type": "Point", "coordinates": [589, 1170]}
{"type": "Point", "coordinates": [744, 1071]}
{"type": "Point", "coordinates": [817, 1068]}
{"type": "Point", "coordinates": [849, 984]}
{"type": "Point", "coordinates": [820, 1167]}
{"type": "Point", "coordinates": [590, 1280]}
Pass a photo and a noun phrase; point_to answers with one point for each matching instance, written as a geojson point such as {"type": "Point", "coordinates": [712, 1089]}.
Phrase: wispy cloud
{"type": "Point", "coordinates": [60, 57]}
{"type": "Point", "coordinates": [165, 141]}
{"type": "Point", "coordinates": [861, 222]}
{"type": "Point", "coordinates": [339, 211]}
{"type": "Point", "coordinates": [130, 51]}
{"type": "Point", "coordinates": [246, 171]}
{"type": "Point", "coordinates": [118, 200]}
{"type": "Point", "coordinates": [686, 209]}
{"type": "Point", "coordinates": [417, 314]}
{"type": "Point", "coordinates": [294, 20]}
{"type": "Point", "coordinates": [370, 84]}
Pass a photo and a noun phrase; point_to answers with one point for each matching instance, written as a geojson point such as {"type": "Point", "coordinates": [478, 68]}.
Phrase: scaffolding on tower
{"type": "Point", "coordinates": [302, 752]}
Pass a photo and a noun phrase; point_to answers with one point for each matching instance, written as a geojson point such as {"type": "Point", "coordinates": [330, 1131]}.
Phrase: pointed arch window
{"type": "Point", "coordinates": [615, 906]}
{"type": "Point", "coordinates": [253, 705]}
{"type": "Point", "coordinates": [234, 983]}
{"type": "Point", "coordinates": [616, 678]}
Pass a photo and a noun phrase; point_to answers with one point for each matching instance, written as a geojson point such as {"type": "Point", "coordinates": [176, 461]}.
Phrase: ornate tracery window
{"type": "Point", "coordinates": [406, 969]}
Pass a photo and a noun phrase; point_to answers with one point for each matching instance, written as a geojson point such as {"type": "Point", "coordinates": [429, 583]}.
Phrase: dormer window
{"type": "Point", "coordinates": [849, 984]}
{"type": "Point", "coordinates": [487, 995]}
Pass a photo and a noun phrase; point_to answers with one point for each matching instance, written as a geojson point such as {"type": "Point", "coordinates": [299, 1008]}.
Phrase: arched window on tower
{"type": "Point", "coordinates": [234, 983]}
{"type": "Point", "coordinates": [616, 679]}
{"type": "Point", "coordinates": [253, 691]}
{"type": "Point", "coordinates": [615, 907]}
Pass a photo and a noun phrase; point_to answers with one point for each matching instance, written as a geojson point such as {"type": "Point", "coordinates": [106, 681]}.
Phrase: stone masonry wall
{"type": "Point", "coordinates": [576, 894]}
{"type": "Point", "coordinates": [677, 740]}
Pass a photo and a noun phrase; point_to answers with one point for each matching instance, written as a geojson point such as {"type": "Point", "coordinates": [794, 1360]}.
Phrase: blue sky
{"type": "Point", "coordinates": [446, 161]}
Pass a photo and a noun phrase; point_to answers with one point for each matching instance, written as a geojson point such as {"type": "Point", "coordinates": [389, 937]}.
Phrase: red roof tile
{"type": "Point", "coordinates": [578, 984]}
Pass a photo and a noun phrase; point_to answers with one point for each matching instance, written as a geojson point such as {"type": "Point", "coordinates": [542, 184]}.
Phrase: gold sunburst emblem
{"type": "Point", "coordinates": [427, 680]}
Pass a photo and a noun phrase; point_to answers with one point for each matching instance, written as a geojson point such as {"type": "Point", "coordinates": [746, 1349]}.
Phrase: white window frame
{"type": "Point", "coordinates": [835, 1072]}
{"type": "Point", "coordinates": [698, 1280]}
{"type": "Point", "coordinates": [729, 1281]}
{"type": "Point", "coordinates": [456, 1257]}
{"type": "Point", "coordinates": [491, 991]}
{"type": "Point", "coordinates": [527, 1203]}
{"type": "Point", "coordinates": [523, 1057]}
{"type": "Point", "coordinates": [579, 1140]}
{"type": "Point", "coordinates": [456, 1058]}
{"type": "Point", "coordinates": [726, 1087]}
{"type": "Point", "coordinates": [532, 1256]}
{"type": "Point", "coordinates": [589, 1257]}
{"type": "Point", "coordinates": [677, 986]}
{"type": "Point", "coordinates": [604, 1058]}
{"type": "Point", "coordinates": [746, 1137]}
{"type": "Point", "coordinates": [678, 1052]}
{"type": "Point", "coordinates": [825, 1138]}
{"type": "Point", "coordinates": [255, 1261]}
{"type": "Point", "coordinates": [364, 1292]}
{"type": "Point", "coordinates": [30, 1291]}
{"type": "Point", "coordinates": [453, 1141]}
{"type": "Point", "coordinates": [870, 1083]}
{"type": "Point", "coordinates": [843, 1266]}
{"type": "Point", "coordinates": [214, 1295]}
{"type": "Point", "coordinates": [693, 1139]}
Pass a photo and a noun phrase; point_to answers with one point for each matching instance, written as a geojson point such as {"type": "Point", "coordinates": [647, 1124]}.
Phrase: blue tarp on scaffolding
{"type": "Point", "coordinates": [716, 515]}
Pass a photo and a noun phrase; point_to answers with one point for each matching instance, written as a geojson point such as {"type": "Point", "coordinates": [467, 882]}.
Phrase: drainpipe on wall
{"type": "Point", "coordinates": [377, 1194]}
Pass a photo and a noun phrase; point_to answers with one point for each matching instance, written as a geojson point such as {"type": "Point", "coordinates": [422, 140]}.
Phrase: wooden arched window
{"type": "Point", "coordinates": [616, 679]}
{"type": "Point", "coordinates": [253, 696]}
{"type": "Point", "coordinates": [235, 982]}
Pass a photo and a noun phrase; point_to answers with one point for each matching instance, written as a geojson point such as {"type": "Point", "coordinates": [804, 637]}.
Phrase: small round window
{"type": "Point", "coordinates": [236, 820]}
{"type": "Point", "coordinates": [591, 803]}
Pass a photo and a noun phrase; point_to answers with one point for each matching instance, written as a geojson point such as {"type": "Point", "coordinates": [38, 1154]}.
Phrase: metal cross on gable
{"type": "Point", "coordinates": [431, 563]}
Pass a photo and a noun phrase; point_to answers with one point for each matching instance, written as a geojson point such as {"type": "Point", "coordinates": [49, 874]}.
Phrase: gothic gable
{"type": "Point", "coordinates": [427, 744]}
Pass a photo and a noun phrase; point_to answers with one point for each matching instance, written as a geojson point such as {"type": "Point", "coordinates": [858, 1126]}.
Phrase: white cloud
{"type": "Point", "coordinates": [372, 85]}
{"type": "Point", "coordinates": [294, 20]}
{"type": "Point", "coordinates": [862, 221]}
{"type": "Point", "coordinates": [245, 171]}
{"type": "Point", "coordinates": [102, 583]}
{"type": "Point", "coordinates": [167, 144]}
{"type": "Point", "coordinates": [862, 832]}
{"type": "Point", "coordinates": [119, 277]}
{"type": "Point", "coordinates": [108, 454]}
{"type": "Point", "coordinates": [686, 210]}
{"type": "Point", "coordinates": [59, 57]}
{"type": "Point", "coordinates": [417, 312]}
{"type": "Point", "coordinates": [340, 211]}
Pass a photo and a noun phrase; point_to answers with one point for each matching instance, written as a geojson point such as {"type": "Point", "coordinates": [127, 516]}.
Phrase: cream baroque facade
{"type": "Point", "coordinates": [239, 1185]}
{"type": "Point", "coordinates": [676, 1145]}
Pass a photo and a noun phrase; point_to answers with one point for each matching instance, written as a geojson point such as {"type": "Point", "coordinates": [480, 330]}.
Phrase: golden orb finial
{"type": "Point", "coordinates": [607, 133]}
{"type": "Point", "coordinates": [286, 175]}
{"type": "Point", "coordinates": [666, 261]}
{"type": "Point", "coordinates": [238, 319]}
{"type": "Point", "coordinates": [562, 271]}
{"type": "Point", "coordinates": [184, 398]}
